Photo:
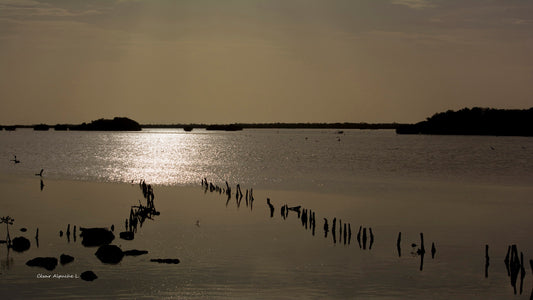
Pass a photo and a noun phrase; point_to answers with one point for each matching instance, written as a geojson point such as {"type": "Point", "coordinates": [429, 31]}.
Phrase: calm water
{"type": "Point", "coordinates": [280, 159]}
{"type": "Point", "coordinates": [461, 192]}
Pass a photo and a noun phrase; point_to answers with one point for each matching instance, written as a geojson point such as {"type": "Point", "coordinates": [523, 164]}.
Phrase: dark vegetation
{"type": "Point", "coordinates": [115, 124]}
{"type": "Point", "coordinates": [475, 121]}
{"type": "Point", "coordinates": [125, 124]}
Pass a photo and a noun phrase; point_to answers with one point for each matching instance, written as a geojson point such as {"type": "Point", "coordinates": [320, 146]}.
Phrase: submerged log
{"type": "Point", "coordinates": [134, 252]}
{"type": "Point", "coordinates": [166, 260]}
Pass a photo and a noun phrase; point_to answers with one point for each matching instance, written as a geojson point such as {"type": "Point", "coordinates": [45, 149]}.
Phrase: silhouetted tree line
{"type": "Point", "coordinates": [115, 124]}
{"type": "Point", "coordinates": [475, 121]}
{"type": "Point", "coordinates": [119, 123]}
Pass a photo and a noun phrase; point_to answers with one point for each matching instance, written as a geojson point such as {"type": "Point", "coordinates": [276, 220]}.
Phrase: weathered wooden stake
{"type": "Point", "coordinates": [398, 241]}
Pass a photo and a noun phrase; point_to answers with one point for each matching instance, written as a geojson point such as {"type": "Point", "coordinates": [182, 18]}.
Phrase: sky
{"type": "Point", "coordinates": [256, 61]}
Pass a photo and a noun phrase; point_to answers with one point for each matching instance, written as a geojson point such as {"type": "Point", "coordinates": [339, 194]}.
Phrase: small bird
{"type": "Point", "coordinates": [198, 223]}
{"type": "Point", "coordinates": [15, 160]}
{"type": "Point", "coordinates": [40, 173]}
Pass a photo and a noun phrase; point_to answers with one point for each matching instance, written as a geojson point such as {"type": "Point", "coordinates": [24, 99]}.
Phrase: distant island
{"type": "Point", "coordinates": [116, 124]}
{"type": "Point", "coordinates": [475, 121]}
{"type": "Point", "coordinates": [467, 121]}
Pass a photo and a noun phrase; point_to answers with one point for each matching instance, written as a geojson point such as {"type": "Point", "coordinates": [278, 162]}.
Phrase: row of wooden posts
{"type": "Point", "coordinates": [513, 263]}
{"type": "Point", "coordinates": [365, 235]}
{"type": "Point", "coordinates": [249, 196]}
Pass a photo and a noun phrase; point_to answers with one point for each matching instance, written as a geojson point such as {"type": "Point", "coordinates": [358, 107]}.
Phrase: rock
{"type": "Point", "coordinates": [109, 254]}
{"type": "Point", "coordinates": [166, 260]}
{"type": "Point", "coordinates": [127, 235]}
{"type": "Point", "coordinates": [65, 259]}
{"type": "Point", "coordinates": [20, 244]}
{"type": "Point", "coordinates": [88, 276]}
{"type": "Point", "coordinates": [96, 236]}
{"type": "Point", "coordinates": [135, 252]}
{"type": "Point", "coordinates": [48, 263]}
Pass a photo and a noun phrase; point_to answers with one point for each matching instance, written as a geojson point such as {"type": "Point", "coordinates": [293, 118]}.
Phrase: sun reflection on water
{"type": "Point", "coordinates": [161, 157]}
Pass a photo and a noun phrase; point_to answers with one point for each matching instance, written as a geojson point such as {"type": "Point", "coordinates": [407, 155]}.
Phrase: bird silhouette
{"type": "Point", "coordinates": [40, 173]}
{"type": "Point", "coordinates": [15, 160]}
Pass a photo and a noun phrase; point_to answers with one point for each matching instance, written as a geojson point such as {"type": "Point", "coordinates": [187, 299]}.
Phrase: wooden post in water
{"type": "Point", "coordinates": [522, 272]}
{"type": "Point", "coordinates": [371, 238]}
{"type": "Point", "coordinates": [422, 249]}
{"type": "Point", "coordinates": [326, 228]}
{"type": "Point", "coordinates": [364, 238]}
{"type": "Point", "coordinates": [359, 236]}
{"type": "Point", "coordinates": [344, 236]}
{"type": "Point", "coordinates": [349, 233]}
{"type": "Point", "coordinates": [398, 241]}
{"type": "Point", "coordinates": [340, 231]}
{"type": "Point", "coordinates": [487, 261]}
{"type": "Point", "coordinates": [37, 238]}
{"type": "Point", "coordinates": [514, 266]}
{"type": "Point", "coordinates": [506, 260]}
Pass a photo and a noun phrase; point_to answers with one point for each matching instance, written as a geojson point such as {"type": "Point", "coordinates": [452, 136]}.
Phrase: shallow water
{"type": "Point", "coordinates": [240, 252]}
{"type": "Point", "coordinates": [322, 160]}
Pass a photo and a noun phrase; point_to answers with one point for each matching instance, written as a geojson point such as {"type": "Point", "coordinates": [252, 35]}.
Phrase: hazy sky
{"type": "Point", "coordinates": [215, 61]}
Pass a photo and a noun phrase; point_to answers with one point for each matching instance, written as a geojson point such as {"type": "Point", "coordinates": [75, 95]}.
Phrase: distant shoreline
{"type": "Point", "coordinates": [474, 121]}
{"type": "Point", "coordinates": [241, 125]}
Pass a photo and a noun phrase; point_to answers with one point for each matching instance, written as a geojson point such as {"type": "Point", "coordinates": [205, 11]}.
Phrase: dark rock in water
{"type": "Point", "coordinates": [127, 235]}
{"type": "Point", "coordinates": [135, 252]}
{"type": "Point", "coordinates": [88, 276]}
{"type": "Point", "coordinates": [96, 236]}
{"type": "Point", "coordinates": [20, 244]}
{"type": "Point", "coordinates": [109, 254]}
{"type": "Point", "coordinates": [48, 263]}
{"type": "Point", "coordinates": [23, 229]}
{"type": "Point", "coordinates": [65, 259]}
{"type": "Point", "coordinates": [166, 260]}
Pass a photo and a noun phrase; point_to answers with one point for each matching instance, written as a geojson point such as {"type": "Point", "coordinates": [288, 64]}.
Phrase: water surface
{"type": "Point", "coordinates": [461, 192]}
